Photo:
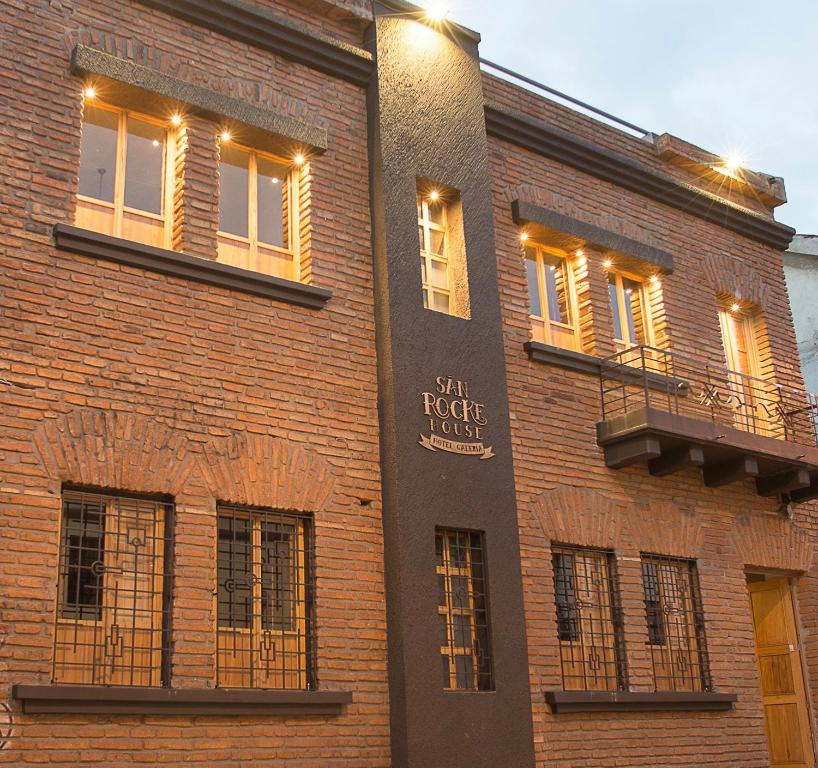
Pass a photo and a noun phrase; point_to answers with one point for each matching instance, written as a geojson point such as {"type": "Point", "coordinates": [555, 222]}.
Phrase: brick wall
{"type": "Point", "coordinates": [567, 495]}
{"type": "Point", "coordinates": [145, 383]}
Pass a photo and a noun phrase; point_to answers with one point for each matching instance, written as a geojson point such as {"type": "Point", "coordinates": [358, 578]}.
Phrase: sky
{"type": "Point", "coordinates": [727, 75]}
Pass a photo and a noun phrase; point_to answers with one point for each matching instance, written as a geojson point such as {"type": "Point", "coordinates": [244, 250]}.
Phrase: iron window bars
{"type": "Point", "coordinates": [264, 599]}
{"type": "Point", "coordinates": [589, 619]}
{"type": "Point", "coordinates": [113, 607]}
{"type": "Point", "coordinates": [675, 624]}
{"type": "Point", "coordinates": [463, 611]}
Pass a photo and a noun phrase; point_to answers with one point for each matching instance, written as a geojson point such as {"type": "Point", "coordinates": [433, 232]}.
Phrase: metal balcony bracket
{"type": "Point", "coordinates": [717, 475]}
{"type": "Point", "coordinates": [635, 451]}
{"type": "Point", "coordinates": [785, 482]}
{"type": "Point", "coordinates": [676, 460]}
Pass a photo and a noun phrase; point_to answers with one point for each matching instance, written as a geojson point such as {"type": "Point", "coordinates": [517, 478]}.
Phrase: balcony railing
{"type": "Point", "coordinates": [650, 378]}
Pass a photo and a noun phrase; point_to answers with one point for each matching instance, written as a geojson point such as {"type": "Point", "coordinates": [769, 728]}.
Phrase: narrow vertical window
{"type": "Point", "coordinates": [463, 611]}
{"type": "Point", "coordinates": [589, 619]}
{"type": "Point", "coordinates": [264, 599]}
{"type": "Point", "coordinates": [552, 297]}
{"type": "Point", "coordinates": [258, 212]}
{"type": "Point", "coordinates": [631, 311]}
{"type": "Point", "coordinates": [434, 252]}
{"type": "Point", "coordinates": [675, 624]}
{"type": "Point", "coordinates": [113, 593]}
{"type": "Point", "coordinates": [125, 177]}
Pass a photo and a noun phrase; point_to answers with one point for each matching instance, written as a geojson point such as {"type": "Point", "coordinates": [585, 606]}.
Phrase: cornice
{"type": "Point", "coordinates": [605, 164]}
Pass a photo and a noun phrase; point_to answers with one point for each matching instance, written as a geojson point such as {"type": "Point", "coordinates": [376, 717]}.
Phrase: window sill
{"type": "Point", "coordinates": [562, 358]}
{"type": "Point", "coordinates": [591, 364]}
{"type": "Point", "coordinates": [105, 700]}
{"type": "Point", "coordinates": [562, 702]}
{"type": "Point", "coordinates": [152, 259]}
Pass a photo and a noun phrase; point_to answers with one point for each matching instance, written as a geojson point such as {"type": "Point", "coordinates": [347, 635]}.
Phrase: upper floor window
{"type": "Point", "coordinates": [589, 620]}
{"type": "Point", "coordinates": [434, 252]}
{"type": "Point", "coordinates": [675, 624]}
{"type": "Point", "coordinates": [739, 327]}
{"type": "Point", "coordinates": [630, 305]}
{"type": "Point", "coordinates": [552, 297]}
{"type": "Point", "coordinates": [258, 211]}
{"type": "Point", "coordinates": [113, 595]}
{"type": "Point", "coordinates": [125, 179]}
{"type": "Point", "coordinates": [463, 611]}
{"type": "Point", "coordinates": [264, 599]}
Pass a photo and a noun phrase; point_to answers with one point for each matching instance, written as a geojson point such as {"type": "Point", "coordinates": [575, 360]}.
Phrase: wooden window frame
{"type": "Point", "coordinates": [428, 258]}
{"type": "Point", "coordinates": [168, 178]}
{"type": "Point", "coordinates": [544, 321]}
{"type": "Point", "coordinates": [302, 627]}
{"type": "Point", "coordinates": [292, 219]}
{"type": "Point", "coordinates": [451, 650]}
{"type": "Point", "coordinates": [103, 638]}
{"type": "Point", "coordinates": [662, 635]}
{"type": "Point", "coordinates": [590, 631]}
{"type": "Point", "coordinates": [647, 310]}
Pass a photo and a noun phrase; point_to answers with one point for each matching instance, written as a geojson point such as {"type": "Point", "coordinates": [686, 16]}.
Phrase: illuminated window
{"type": "Point", "coordinates": [589, 619]}
{"type": "Point", "coordinates": [125, 179]}
{"type": "Point", "coordinates": [258, 212]}
{"type": "Point", "coordinates": [264, 599]}
{"type": "Point", "coordinates": [552, 297]}
{"type": "Point", "coordinates": [630, 306]}
{"type": "Point", "coordinates": [434, 253]}
{"type": "Point", "coordinates": [463, 611]}
{"type": "Point", "coordinates": [113, 598]}
{"type": "Point", "coordinates": [675, 624]}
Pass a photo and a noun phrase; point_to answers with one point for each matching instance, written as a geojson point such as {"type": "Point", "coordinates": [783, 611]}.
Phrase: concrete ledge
{"type": "Point", "coordinates": [87, 243]}
{"type": "Point", "coordinates": [272, 32]}
{"type": "Point", "coordinates": [603, 163]}
{"type": "Point", "coordinates": [571, 234]}
{"type": "Point", "coordinates": [104, 700]}
{"type": "Point", "coordinates": [562, 702]}
{"type": "Point", "coordinates": [89, 61]}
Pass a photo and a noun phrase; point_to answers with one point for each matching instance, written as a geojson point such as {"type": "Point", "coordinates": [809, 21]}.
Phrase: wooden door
{"type": "Point", "coordinates": [789, 735]}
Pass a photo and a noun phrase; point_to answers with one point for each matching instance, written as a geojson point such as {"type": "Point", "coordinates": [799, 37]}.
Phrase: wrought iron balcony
{"type": "Point", "coordinates": [672, 411]}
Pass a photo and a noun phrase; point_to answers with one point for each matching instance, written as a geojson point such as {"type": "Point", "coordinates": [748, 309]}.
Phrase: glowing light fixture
{"type": "Point", "coordinates": [90, 92]}
{"type": "Point", "coordinates": [736, 307]}
{"type": "Point", "coordinates": [176, 119]}
{"type": "Point", "coordinates": [733, 162]}
{"type": "Point", "coordinates": [608, 263]}
{"type": "Point", "coordinates": [436, 12]}
{"type": "Point", "coordinates": [225, 136]}
{"type": "Point", "coordinates": [581, 258]}
{"type": "Point", "coordinates": [654, 279]}
{"type": "Point", "coordinates": [434, 195]}
{"type": "Point", "coordinates": [155, 142]}
{"type": "Point", "coordinates": [299, 159]}
{"type": "Point", "coordinates": [523, 236]}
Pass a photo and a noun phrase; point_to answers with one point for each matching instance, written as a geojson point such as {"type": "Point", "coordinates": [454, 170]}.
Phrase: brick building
{"type": "Point", "coordinates": [360, 408]}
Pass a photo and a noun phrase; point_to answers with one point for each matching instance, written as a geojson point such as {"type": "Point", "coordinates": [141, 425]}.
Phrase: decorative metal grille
{"type": "Point", "coordinates": [690, 387]}
{"type": "Point", "coordinates": [589, 619]}
{"type": "Point", "coordinates": [264, 599]}
{"type": "Point", "coordinates": [113, 613]}
{"type": "Point", "coordinates": [675, 624]}
{"type": "Point", "coordinates": [463, 611]}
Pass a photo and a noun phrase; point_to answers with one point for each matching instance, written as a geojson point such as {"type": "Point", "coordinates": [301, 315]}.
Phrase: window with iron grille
{"type": "Point", "coordinates": [675, 623]}
{"type": "Point", "coordinates": [264, 599]}
{"type": "Point", "coordinates": [113, 606]}
{"type": "Point", "coordinates": [589, 619]}
{"type": "Point", "coordinates": [463, 611]}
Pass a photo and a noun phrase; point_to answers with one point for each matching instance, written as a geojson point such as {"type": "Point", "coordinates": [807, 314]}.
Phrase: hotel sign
{"type": "Point", "coordinates": [456, 422]}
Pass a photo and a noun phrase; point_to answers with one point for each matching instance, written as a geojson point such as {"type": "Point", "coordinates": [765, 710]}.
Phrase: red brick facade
{"type": "Point", "coordinates": [119, 378]}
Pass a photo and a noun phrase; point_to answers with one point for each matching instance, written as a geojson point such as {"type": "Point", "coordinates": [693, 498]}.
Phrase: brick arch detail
{"type": "Point", "coordinates": [583, 517]}
{"type": "Point", "coordinates": [768, 541]}
{"type": "Point", "coordinates": [665, 529]}
{"type": "Point", "coordinates": [259, 470]}
{"type": "Point", "coordinates": [104, 449]}
{"type": "Point", "coordinates": [735, 278]}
